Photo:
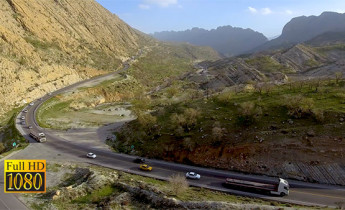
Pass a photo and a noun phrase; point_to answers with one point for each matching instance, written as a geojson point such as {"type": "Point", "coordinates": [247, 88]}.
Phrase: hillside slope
{"type": "Point", "coordinates": [228, 40]}
{"type": "Point", "coordinates": [300, 62]}
{"type": "Point", "coordinates": [48, 44]}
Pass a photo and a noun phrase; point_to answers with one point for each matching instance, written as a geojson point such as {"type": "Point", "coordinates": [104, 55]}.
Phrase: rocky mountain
{"type": "Point", "coordinates": [300, 61]}
{"type": "Point", "coordinates": [48, 44]}
{"type": "Point", "coordinates": [227, 40]}
{"type": "Point", "coordinates": [302, 29]}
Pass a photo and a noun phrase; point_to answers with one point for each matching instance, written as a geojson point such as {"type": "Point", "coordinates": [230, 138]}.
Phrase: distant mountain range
{"type": "Point", "coordinates": [227, 40]}
{"type": "Point", "coordinates": [232, 41]}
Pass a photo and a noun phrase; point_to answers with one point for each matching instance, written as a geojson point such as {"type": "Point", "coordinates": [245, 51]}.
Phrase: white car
{"type": "Point", "coordinates": [23, 118]}
{"type": "Point", "coordinates": [32, 103]}
{"type": "Point", "coordinates": [192, 175]}
{"type": "Point", "coordinates": [91, 155]}
{"type": "Point", "coordinates": [25, 110]}
{"type": "Point", "coordinates": [41, 135]}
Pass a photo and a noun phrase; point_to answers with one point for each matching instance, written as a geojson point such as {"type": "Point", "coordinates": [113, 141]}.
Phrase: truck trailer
{"type": "Point", "coordinates": [280, 187]}
{"type": "Point", "coordinates": [38, 138]}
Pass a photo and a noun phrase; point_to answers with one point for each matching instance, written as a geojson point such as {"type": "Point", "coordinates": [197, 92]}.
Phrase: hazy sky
{"type": "Point", "coordinates": [265, 16]}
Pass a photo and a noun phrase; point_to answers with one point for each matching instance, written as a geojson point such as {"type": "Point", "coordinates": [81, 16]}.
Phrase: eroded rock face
{"type": "Point", "coordinates": [49, 44]}
{"type": "Point", "coordinates": [86, 182]}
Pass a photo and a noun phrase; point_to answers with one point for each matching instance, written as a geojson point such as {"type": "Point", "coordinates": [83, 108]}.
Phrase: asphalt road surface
{"type": "Point", "coordinates": [300, 192]}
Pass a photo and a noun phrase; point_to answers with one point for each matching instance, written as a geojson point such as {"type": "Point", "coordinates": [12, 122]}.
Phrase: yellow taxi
{"type": "Point", "coordinates": [145, 167]}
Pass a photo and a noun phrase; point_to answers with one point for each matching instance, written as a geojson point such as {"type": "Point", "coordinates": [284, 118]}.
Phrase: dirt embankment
{"type": "Point", "coordinates": [314, 159]}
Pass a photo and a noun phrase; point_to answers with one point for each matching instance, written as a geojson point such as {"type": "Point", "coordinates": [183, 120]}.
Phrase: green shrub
{"type": "Point", "coordinates": [248, 113]}
{"type": "Point", "coordinates": [318, 115]}
{"type": "Point", "coordinates": [2, 148]}
{"type": "Point", "coordinates": [298, 106]}
{"type": "Point", "coordinates": [146, 120]}
{"type": "Point", "coordinates": [224, 98]}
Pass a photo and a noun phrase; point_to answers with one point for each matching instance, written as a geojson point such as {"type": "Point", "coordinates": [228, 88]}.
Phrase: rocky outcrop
{"type": "Point", "coordinates": [300, 58]}
{"type": "Point", "coordinates": [85, 182]}
{"type": "Point", "coordinates": [48, 44]}
{"type": "Point", "coordinates": [300, 61]}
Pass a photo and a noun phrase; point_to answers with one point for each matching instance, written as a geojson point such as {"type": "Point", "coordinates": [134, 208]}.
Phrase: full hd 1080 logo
{"type": "Point", "coordinates": [25, 176]}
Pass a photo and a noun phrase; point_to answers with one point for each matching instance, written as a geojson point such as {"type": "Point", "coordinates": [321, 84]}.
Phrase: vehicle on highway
{"type": "Point", "coordinates": [145, 167]}
{"type": "Point", "coordinates": [91, 155]}
{"type": "Point", "coordinates": [279, 187]}
{"type": "Point", "coordinates": [25, 110]}
{"type": "Point", "coordinates": [32, 103]}
{"type": "Point", "coordinates": [41, 135]}
{"type": "Point", "coordinates": [30, 127]}
{"type": "Point", "coordinates": [38, 138]}
{"type": "Point", "coordinates": [22, 117]}
{"type": "Point", "coordinates": [192, 175]}
{"type": "Point", "coordinates": [22, 122]}
{"type": "Point", "coordinates": [139, 160]}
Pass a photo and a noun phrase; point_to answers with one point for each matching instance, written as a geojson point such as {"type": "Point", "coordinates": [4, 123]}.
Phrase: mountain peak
{"type": "Point", "coordinates": [304, 28]}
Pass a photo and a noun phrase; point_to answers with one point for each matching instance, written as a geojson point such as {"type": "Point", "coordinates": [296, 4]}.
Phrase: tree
{"type": "Point", "coordinates": [2, 148]}
{"type": "Point", "coordinates": [186, 120]}
{"type": "Point", "coordinates": [217, 133]}
{"type": "Point", "coordinates": [192, 116]}
{"type": "Point", "coordinates": [248, 112]}
{"type": "Point", "coordinates": [146, 120]}
{"type": "Point", "coordinates": [298, 105]}
{"type": "Point", "coordinates": [259, 87]}
{"type": "Point", "coordinates": [178, 184]}
{"type": "Point", "coordinates": [338, 76]}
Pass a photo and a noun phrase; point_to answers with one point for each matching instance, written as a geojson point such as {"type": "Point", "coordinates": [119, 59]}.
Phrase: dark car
{"type": "Point", "coordinates": [139, 160]}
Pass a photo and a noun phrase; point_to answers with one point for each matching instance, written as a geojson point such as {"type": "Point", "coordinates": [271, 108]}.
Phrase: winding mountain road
{"type": "Point", "coordinates": [57, 148]}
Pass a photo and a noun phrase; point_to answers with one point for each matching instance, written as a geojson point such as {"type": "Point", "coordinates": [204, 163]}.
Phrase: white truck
{"type": "Point", "coordinates": [280, 187]}
{"type": "Point", "coordinates": [38, 138]}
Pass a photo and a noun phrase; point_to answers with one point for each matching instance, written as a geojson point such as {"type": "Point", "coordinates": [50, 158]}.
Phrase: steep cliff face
{"type": "Point", "coordinates": [302, 29]}
{"type": "Point", "coordinates": [48, 44]}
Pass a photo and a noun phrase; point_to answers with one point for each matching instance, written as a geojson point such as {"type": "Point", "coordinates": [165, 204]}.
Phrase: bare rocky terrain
{"type": "Point", "coordinates": [300, 62]}
{"type": "Point", "coordinates": [46, 45]}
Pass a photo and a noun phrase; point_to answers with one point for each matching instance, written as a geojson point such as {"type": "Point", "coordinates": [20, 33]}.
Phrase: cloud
{"type": "Point", "coordinates": [288, 12]}
{"type": "Point", "coordinates": [263, 11]}
{"type": "Point", "coordinates": [161, 3]}
{"type": "Point", "coordinates": [144, 6]}
{"type": "Point", "coordinates": [252, 10]}
{"type": "Point", "coordinates": [266, 11]}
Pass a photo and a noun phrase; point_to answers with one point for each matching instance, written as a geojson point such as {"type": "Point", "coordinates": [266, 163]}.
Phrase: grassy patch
{"type": "Point", "coordinates": [52, 108]}
{"type": "Point", "coordinates": [41, 44]}
{"type": "Point", "coordinates": [97, 195]}
{"type": "Point", "coordinates": [53, 167]}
